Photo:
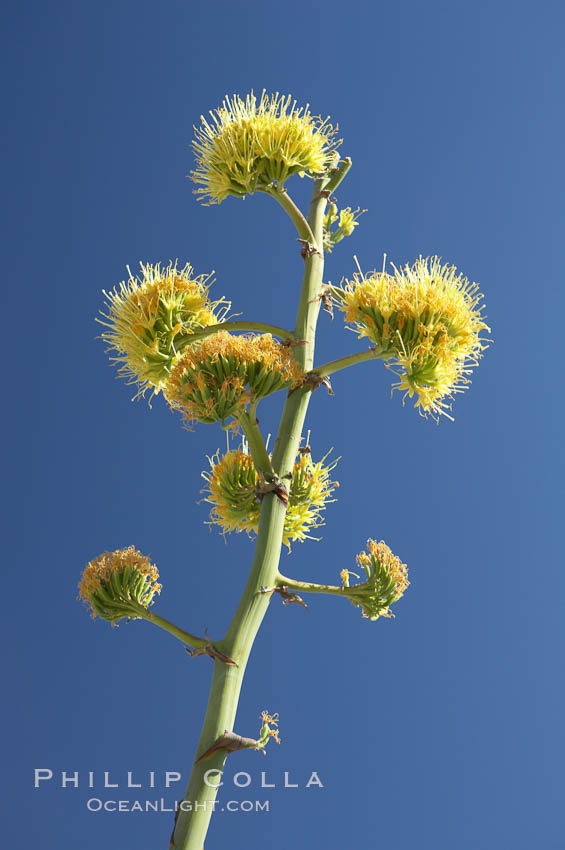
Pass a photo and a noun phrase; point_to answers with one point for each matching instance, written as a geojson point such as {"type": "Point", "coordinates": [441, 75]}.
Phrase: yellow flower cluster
{"type": "Point", "coordinates": [118, 584]}
{"type": "Point", "coordinates": [150, 320]}
{"type": "Point", "coordinates": [248, 146]}
{"type": "Point", "coordinates": [427, 320]}
{"type": "Point", "coordinates": [232, 480]}
{"type": "Point", "coordinates": [310, 491]}
{"type": "Point", "coordinates": [231, 491]}
{"type": "Point", "coordinates": [387, 579]}
{"type": "Point", "coordinates": [216, 378]}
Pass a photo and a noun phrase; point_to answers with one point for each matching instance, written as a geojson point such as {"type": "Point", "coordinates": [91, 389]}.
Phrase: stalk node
{"type": "Point", "coordinates": [326, 298]}
{"type": "Point", "coordinates": [275, 486]}
{"type": "Point", "coordinates": [308, 249]}
{"type": "Point", "coordinates": [290, 343]}
{"type": "Point", "coordinates": [213, 653]}
{"type": "Point", "coordinates": [286, 596]}
{"type": "Point", "coordinates": [312, 380]}
{"type": "Point", "coordinates": [231, 743]}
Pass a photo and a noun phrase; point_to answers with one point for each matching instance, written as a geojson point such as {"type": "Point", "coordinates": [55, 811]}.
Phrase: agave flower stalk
{"type": "Point", "coordinates": [191, 826]}
{"type": "Point", "coordinates": [425, 321]}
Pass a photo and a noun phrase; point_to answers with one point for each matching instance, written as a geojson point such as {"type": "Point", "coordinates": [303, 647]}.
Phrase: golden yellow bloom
{"type": "Point", "coordinates": [387, 579]}
{"type": "Point", "coordinates": [119, 584]}
{"type": "Point", "coordinates": [231, 491]}
{"type": "Point", "coordinates": [232, 480]}
{"type": "Point", "coordinates": [248, 145]}
{"type": "Point", "coordinates": [150, 320]}
{"type": "Point", "coordinates": [310, 491]}
{"type": "Point", "coordinates": [427, 321]}
{"type": "Point", "coordinates": [218, 377]}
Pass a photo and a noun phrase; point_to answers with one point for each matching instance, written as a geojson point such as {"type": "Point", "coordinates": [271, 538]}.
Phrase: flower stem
{"type": "Point", "coordinates": [350, 360]}
{"type": "Point", "coordinates": [308, 587]}
{"type": "Point", "coordinates": [354, 594]}
{"type": "Point", "coordinates": [257, 448]}
{"type": "Point", "coordinates": [185, 637]}
{"type": "Point", "coordinates": [294, 413]}
{"type": "Point", "coordinates": [302, 225]}
{"type": "Point", "coordinates": [191, 826]}
{"type": "Point", "coordinates": [260, 327]}
{"type": "Point", "coordinates": [338, 174]}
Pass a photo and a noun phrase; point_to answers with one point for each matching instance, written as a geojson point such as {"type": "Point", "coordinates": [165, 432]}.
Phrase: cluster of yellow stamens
{"type": "Point", "coordinates": [216, 378]}
{"type": "Point", "coordinates": [310, 491]}
{"type": "Point", "coordinates": [151, 318]}
{"type": "Point", "coordinates": [248, 146]}
{"type": "Point", "coordinates": [119, 584]}
{"type": "Point", "coordinates": [232, 482]}
{"type": "Point", "coordinates": [387, 579]}
{"type": "Point", "coordinates": [427, 321]}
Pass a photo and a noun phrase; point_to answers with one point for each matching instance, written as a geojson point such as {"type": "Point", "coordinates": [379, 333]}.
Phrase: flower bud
{"type": "Point", "coordinates": [215, 379]}
{"type": "Point", "coordinates": [119, 584]}
{"type": "Point", "coordinates": [348, 221]}
{"type": "Point", "coordinates": [248, 146]}
{"type": "Point", "coordinates": [331, 216]}
{"type": "Point", "coordinates": [427, 321]}
{"type": "Point", "coordinates": [151, 318]}
{"type": "Point", "coordinates": [266, 733]}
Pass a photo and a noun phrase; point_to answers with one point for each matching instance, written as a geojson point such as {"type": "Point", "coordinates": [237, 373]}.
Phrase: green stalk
{"type": "Point", "coordinates": [256, 443]}
{"type": "Point", "coordinates": [350, 360]}
{"type": "Point", "coordinates": [185, 637]}
{"type": "Point", "coordinates": [337, 175]}
{"type": "Point", "coordinates": [309, 587]}
{"type": "Point", "coordinates": [202, 333]}
{"type": "Point", "coordinates": [295, 214]}
{"type": "Point", "coordinates": [191, 826]}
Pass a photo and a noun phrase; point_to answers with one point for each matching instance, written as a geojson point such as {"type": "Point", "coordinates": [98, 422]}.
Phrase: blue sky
{"type": "Point", "coordinates": [439, 729]}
